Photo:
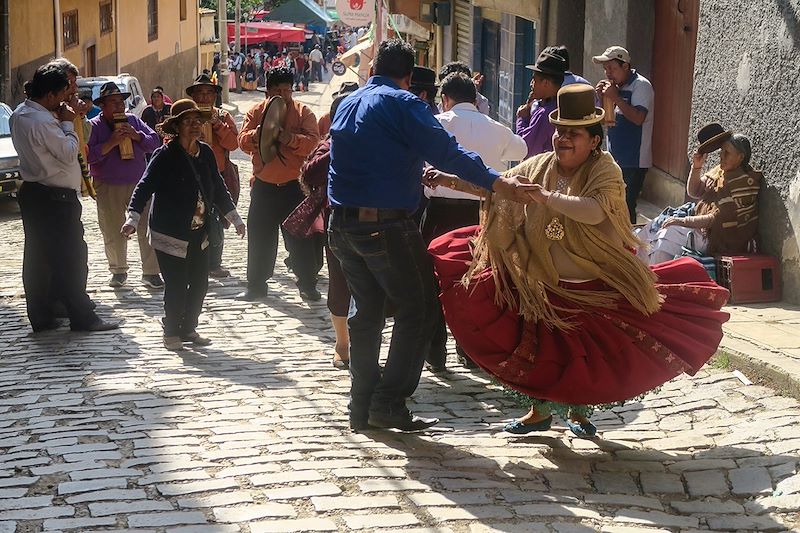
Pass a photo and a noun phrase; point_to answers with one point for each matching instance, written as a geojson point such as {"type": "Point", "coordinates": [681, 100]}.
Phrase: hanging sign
{"type": "Point", "coordinates": [356, 12]}
{"type": "Point", "coordinates": [338, 68]}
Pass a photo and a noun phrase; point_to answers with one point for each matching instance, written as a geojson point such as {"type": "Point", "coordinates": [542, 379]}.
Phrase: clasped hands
{"type": "Point", "coordinates": [514, 188]}
{"type": "Point", "coordinates": [127, 230]}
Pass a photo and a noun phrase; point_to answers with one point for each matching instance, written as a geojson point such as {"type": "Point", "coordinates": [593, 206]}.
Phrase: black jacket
{"type": "Point", "coordinates": [170, 180]}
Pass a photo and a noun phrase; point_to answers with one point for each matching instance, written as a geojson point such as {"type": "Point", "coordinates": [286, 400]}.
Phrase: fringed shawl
{"type": "Point", "coordinates": [514, 245]}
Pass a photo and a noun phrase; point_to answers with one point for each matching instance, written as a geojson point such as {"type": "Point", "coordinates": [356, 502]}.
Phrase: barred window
{"type": "Point", "coordinates": [69, 24]}
{"type": "Point", "coordinates": [106, 17]}
{"type": "Point", "coordinates": [152, 20]}
{"type": "Point", "coordinates": [182, 7]}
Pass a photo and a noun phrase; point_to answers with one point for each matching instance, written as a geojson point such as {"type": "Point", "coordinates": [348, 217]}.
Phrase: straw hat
{"type": "Point", "coordinates": [180, 109]}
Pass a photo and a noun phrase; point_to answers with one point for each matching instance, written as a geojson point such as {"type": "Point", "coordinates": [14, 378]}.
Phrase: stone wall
{"type": "Point", "coordinates": [746, 77]}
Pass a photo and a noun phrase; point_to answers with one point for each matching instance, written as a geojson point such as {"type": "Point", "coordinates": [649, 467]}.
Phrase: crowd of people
{"type": "Point", "coordinates": [404, 187]}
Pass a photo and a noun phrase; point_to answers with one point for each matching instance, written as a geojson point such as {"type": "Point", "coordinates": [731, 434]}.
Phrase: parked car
{"type": "Point", "coordinates": [10, 178]}
{"type": "Point", "coordinates": [135, 104]}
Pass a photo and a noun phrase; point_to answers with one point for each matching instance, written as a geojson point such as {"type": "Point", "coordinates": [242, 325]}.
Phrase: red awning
{"type": "Point", "coordinates": [260, 32]}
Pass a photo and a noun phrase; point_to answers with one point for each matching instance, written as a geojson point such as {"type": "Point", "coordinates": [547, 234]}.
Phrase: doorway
{"type": "Point", "coordinates": [490, 63]}
{"type": "Point", "coordinates": [90, 68]}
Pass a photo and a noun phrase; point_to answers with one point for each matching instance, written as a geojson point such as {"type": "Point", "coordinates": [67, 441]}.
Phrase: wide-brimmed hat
{"type": "Point", "coordinates": [203, 80]}
{"type": "Point", "coordinates": [613, 52]}
{"type": "Point", "coordinates": [109, 89]}
{"type": "Point", "coordinates": [576, 107]}
{"type": "Point", "coordinates": [549, 63]}
{"type": "Point", "coordinates": [711, 138]}
{"type": "Point", "coordinates": [423, 77]}
{"type": "Point", "coordinates": [346, 87]}
{"type": "Point", "coordinates": [180, 109]}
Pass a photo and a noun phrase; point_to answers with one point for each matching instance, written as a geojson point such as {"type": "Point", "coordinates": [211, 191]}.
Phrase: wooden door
{"type": "Point", "coordinates": [674, 45]}
{"type": "Point", "coordinates": [91, 61]}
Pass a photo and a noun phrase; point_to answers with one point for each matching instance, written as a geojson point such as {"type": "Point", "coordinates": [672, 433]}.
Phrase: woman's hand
{"type": "Point", "coordinates": [514, 188]}
{"type": "Point", "coordinates": [241, 229]}
{"type": "Point", "coordinates": [127, 230]}
{"type": "Point", "coordinates": [698, 160]}
{"type": "Point", "coordinates": [539, 194]}
{"type": "Point", "coordinates": [672, 221]}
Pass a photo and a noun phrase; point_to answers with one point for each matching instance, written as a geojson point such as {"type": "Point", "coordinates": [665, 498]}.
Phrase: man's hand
{"type": "Point", "coordinates": [601, 87]}
{"type": "Point", "coordinates": [127, 230]}
{"type": "Point", "coordinates": [128, 131]}
{"type": "Point", "coordinates": [116, 137]}
{"type": "Point", "coordinates": [477, 79]}
{"type": "Point", "coordinates": [514, 188]}
{"type": "Point", "coordinates": [65, 113]}
{"type": "Point", "coordinates": [284, 137]}
{"type": "Point", "coordinates": [241, 229]}
{"type": "Point", "coordinates": [612, 93]}
{"type": "Point", "coordinates": [524, 111]}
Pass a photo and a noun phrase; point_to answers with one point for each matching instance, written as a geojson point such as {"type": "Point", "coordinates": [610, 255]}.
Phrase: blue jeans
{"type": "Point", "coordinates": [382, 261]}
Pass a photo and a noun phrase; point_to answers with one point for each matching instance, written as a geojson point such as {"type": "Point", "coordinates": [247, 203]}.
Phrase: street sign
{"type": "Point", "coordinates": [356, 12]}
{"type": "Point", "coordinates": [338, 68]}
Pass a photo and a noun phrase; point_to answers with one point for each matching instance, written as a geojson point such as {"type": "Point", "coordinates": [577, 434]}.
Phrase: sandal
{"type": "Point", "coordinates": [339, 362]}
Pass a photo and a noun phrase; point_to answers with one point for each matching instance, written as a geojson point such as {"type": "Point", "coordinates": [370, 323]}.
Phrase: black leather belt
{"type": "Point", "coordinates": [370, 214]}
{"type": "Point", "coordinates": [454, 201]}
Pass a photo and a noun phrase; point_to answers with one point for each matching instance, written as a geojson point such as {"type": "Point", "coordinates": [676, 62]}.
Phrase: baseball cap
{"type": "Point", "coordinates": [613, 52]}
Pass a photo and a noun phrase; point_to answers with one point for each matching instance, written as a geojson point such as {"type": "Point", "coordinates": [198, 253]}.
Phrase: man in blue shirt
{"type": "Point", "coordinates": [379, 139]}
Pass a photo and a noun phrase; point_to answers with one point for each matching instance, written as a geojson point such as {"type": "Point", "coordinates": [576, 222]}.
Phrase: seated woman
{"type": "Point", "coordinates": [550, 299]}
{"type": "Point", "coordinates": [725, 219]}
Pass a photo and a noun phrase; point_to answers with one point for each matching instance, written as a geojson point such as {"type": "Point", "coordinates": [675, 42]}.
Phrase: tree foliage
{"type": "Point", "coordinates": [247, 6]}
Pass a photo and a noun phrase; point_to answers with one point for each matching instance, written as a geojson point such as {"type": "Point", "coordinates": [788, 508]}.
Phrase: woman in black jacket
{"type": "Point", "coordinates": [182, 177]}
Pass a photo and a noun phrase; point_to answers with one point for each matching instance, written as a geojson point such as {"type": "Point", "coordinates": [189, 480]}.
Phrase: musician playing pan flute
{"type": "Point", "coordinates": [220, 133]}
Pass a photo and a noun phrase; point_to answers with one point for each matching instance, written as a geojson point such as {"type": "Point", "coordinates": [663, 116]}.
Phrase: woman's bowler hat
{"type": "Point", "coordinates": [712, 137]}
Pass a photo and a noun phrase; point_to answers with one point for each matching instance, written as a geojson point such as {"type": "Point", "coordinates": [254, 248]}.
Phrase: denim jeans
{"type": "Point", "coordinates": [385, 261]}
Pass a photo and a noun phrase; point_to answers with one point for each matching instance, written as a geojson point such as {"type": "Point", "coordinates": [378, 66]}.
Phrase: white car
{"type": "Point", "coordinates": [10, 178]}
{"type": "Point", "coordinates": [135, 104]}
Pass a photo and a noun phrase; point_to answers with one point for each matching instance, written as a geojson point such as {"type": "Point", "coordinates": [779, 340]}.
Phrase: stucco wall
{"type": "Point", "coordinates": [88, 35]}
{"type": "Point", "coordinates": [747, 78]}
{"type": "Point", "coordinates": [31, 33]}
{"type": "Point", "coordinates": [628, 23]}
{"type": "Point", "coordinates": [529, 9]}
{"type": "Point", "coordinates": [174, 36]}
{"type": "Point", "coordinates": [174, 73]}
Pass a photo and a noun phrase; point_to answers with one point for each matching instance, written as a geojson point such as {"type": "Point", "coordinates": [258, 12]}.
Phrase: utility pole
{"type": "Point", "coordinates": [238, 26]}
{"type": "Point", "coordinates": [5, 59]}
{"type": "Point", "coordinates": [222, 28]}
{"type": "Point", "coordinates": [379, 36]}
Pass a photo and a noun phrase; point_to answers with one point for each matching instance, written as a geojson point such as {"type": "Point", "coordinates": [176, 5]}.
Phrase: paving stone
{"type": "Point", "coordinates": [25, 503]}
{"type": "Point", "coordinates": [702, 464]}
{"type": "Point", "coordinates": [216, 500]}
{"type": "Point", "coordinates": [753, 480]}
{"type": "Point", "coordinates": [348, 503]}
{"type": "Point", "coordinates": [658, 483]}
{"type": "Point", "coordinates": [555, 509]}
{"type": "Point", "coordinates": [429, 499]}
{"type": "Point", "coordinates": [707, 507]}
{"type": "Point", "coordinates": [37, 514]}
{"type": "Point", "coordinates": [79, 523]}
{"type": "Point", "coordinates": [108, 495]}
{"type": "Point", "coordinates": [369, 472]}
{"type": "Point", "coordinates": [627, 529]}
{"type": "Point", "coordinates": [623, 500]}
{"type": "Point", "coordinates": [188, 475]}
{"type": "Point", "coordinates": [110, 508]}
{"type": "Point", "coordinates": [614, 483]}
{"type": "Point", "coordinates": [390, 485]}
{"type": "Point", "coordinates": [247, 470]}
{"type": "Point", "coordinates": [789, 502]}
{"type": "Point", "coordinates": [516, 527]}
{"type": "Point", "coordinates": [706, 483]}
{"type": "Point", "coordinates": [247, 513]}
{"type": "Point", "coordinates": [291, 526]}
{"type": "Point", "coordinates": [745, 523]}
{"type": "Point", "coordinates": [285, 477]}
{"type": "Point", "coordinates": [654, 518]}
{"type": "Point", "coordinates": [303, 491]}
{"type": "Point", "coordinates": [8, 527]}
{"type": "Point", "coordinates": [472, 512]}
{"type": "Point", "coordinates": [166, 519]}
{"type": "Point", "coordinates": [177, 489]}
{"type": "Point", "coordinates": [214, 528]}
{"type": "Point", "coordinates": [101, 473]}
{"type": "Point", "coordinates": [374, 520]}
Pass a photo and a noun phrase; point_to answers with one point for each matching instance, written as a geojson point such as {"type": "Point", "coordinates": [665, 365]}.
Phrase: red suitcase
{"type": "Point", "coordinates": [750, 278]}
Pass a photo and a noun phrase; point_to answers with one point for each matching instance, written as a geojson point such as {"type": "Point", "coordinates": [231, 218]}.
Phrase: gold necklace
{"type": "Point", "coordinates": [555, 229]}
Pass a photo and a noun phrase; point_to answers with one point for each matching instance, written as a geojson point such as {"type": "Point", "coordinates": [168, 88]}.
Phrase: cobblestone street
{"type": "Point", "coordinates": [110, 431]}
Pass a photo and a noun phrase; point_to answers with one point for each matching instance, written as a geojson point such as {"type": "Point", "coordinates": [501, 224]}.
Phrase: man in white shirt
{"type": "Point", "coordinates": [44, 137]}
{"type": "Point", "coordinates": [481, 102]}
{"type": "Point", "coordinates": [316, 63]}
{"type": "Point", "coordinates": [449, 209]}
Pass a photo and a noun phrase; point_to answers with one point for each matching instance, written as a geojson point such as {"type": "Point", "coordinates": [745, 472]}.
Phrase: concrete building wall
{"type": "Point", "coordinates": [89, 35]}
{"type": "Point", "coordinates": [169, 60]}
{"type": "Point", "coordinates": [529, 9]}
{"type": "Point", "coordinates": [628, 23]}
{"type": "Point", "coordinates": [565, 25]}
{"type": "Point", "coordinates": [26, 54]}
{"type": "Point", "coordinates": [746, 77]}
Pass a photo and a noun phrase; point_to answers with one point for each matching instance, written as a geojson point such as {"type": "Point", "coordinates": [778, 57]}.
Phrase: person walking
{"type": "Point", "coordinates": [630, 139]}
{"type": "Point", "coordinates": [316, 63]}
{"type": "Point", "coordinates": [154, 113]}
{"type": "Point", "coordinates": [223, 140]}
{"type": "Point", "coordinates": [187, 186]}
{"type": "Point", "coordinates": [54, 264]}
{"type": "Point", "coordinates": [380, 136]}
{"type": "Point", "coordinates": [275, 191]}
{"type": "Point", "coordinates": [117, 148]}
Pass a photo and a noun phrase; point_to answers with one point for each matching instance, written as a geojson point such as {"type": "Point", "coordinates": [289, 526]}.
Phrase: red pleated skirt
{"type": "Point", "coordinates": [612, 354]}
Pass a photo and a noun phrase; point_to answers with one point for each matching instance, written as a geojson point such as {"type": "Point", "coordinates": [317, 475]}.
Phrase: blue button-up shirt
{"type": "Point", "coordinates": [380, 137]}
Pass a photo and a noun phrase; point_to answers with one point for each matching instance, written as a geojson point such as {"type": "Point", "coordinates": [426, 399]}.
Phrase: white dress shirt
{"type": "Point", "coordinates": [47, 148]}
{"type": "Point", "coordinates": [495, 143]}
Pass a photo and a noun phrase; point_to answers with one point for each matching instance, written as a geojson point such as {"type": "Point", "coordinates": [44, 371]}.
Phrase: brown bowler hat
{"type": "Point", "coordinates": [180, 109]}
{"type": "Point", "coordinates": [711, 138]}
{"type": "Point", "coordinates": [576, 107]}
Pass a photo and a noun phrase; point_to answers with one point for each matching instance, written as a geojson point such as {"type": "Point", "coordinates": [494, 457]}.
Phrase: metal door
{"type": "Point", "coordinates": [490, 63]}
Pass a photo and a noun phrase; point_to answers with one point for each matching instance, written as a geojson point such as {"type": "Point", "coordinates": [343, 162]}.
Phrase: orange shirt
{"type": "Point", "coordinates": [225, 138]}
{"type": "Point", "coordinates": [324, 124]}
{"type": "Point", "coordinates": [301, 123]}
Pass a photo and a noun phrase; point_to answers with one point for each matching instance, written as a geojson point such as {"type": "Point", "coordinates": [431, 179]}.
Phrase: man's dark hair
{"type": "Point", "coordinates": [49, 78]}
{"type": "Point", "coordinates": [65, 65]}
{"type": "Point", "coordinates": [430, 92]}
{"type": "Point", "coordinates": [460, 88]}
{"type": "Point", "coordinates": [555, 79]}
{"type": "Point", "coordinates": [395, 59]}
{"type": "Point", "coordinates": [455, 66]}
{"type": "Point", "coordinates": [278, 76]}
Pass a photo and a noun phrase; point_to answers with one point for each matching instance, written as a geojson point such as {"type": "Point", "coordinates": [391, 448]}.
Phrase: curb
{"type": "Point", "coordinates": [762, 366]}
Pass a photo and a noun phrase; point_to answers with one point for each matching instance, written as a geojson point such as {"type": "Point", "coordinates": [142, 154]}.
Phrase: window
{"type": "Point", "coordinates": [69, 24]}
{"type": "Point", "coordinates": [182, 4]}
{"type": "Point", "coordinates": [152, 20]}
{"type": "Point", "coordinates": [106, 17]}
